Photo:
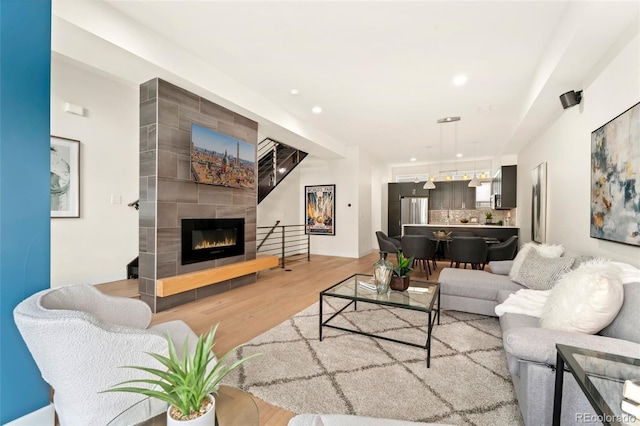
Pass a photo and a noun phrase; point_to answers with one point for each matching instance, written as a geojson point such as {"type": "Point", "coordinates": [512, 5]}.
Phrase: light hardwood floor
{"type": "Point", "coordinates": [248, 311]}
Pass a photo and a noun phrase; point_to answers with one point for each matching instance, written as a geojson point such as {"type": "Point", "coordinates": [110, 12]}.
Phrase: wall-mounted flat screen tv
{"type": "Point", "coordinates": [218, 159]}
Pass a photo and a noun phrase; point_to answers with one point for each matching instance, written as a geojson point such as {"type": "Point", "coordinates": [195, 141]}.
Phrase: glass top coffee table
{"type": "Point", "coordinates": [234, 407]}
{"type": "Point", "coordinates": [423, 296]}
{"type": "Point", "coordinates": [601, 377]}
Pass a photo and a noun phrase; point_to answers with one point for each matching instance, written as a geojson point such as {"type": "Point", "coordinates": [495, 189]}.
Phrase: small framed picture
{"type": "Point", "coordinates": [65, 177]}
{"type": "Point", "coordinates": [473, 220]}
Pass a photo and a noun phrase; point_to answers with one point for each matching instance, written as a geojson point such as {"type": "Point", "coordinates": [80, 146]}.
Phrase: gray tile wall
{"type": "Point", "coordinates": [167, 194]}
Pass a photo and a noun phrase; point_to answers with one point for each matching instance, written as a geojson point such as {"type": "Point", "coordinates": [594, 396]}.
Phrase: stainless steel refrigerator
{"type": "Point", "coordinates": [414, 210]}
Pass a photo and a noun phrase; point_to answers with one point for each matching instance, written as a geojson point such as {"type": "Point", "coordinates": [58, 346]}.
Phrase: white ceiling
{"type": "Point", "coordinates": [381, 71]}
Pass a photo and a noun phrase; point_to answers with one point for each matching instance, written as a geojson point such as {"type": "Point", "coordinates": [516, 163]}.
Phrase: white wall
{"type": "Point", "coordinates": [365, 204]}
{"type": "Point", "coordinates": [357, 182]}
{"type": "Point", "coordinates": [344, 174]}
{"type": "Point", "coordinates": [566, 147]}
{"type": "Point", "coordinates": [284, 203]}
{"type": "Point", "coordinates": [96, 247]}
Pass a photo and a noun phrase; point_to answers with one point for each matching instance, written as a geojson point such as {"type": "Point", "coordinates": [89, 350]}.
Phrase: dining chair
{"type": "Point", "coordinates": [505, 250]}
{"type": "Point", "coordinates": [422, 248]}
{"type": "Point", "coordinates": [472, 250]}
{"type": "Point", "coordinates": [388, 244]}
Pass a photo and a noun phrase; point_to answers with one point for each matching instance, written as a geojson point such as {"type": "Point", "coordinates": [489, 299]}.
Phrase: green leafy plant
{"type": "Point", "coordinates": [186, 382]}
{"type": "Point", "coordinates": [404, 265]}
{"type": "Point", "coordinates": [488, 215]}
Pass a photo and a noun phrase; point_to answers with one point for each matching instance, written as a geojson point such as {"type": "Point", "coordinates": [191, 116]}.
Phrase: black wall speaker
{"type": "Point", "coordinates": [570, 99]}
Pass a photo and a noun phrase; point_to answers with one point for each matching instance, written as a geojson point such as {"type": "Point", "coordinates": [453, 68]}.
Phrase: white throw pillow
{"type": "Point", "coordinates": [550, 250]}
{"type": "Point", "coordinates": [629, 274]}
{"type": "Point", "coordinates": [585, 300]}
{"type": "Point", "coordinates": [545, 250]}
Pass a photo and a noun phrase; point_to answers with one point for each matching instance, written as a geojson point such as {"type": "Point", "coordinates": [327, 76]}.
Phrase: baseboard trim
{"type": "Point", "coordinates": [45, 416]}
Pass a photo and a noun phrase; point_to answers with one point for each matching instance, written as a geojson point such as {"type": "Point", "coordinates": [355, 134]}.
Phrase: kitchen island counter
{"type": "Point", "coordinates": [501, 233]}
{"type": "Point", "coordinates": [459, 225]}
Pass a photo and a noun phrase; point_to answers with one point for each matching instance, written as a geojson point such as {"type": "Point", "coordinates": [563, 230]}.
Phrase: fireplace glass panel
{"type": "Point", "coordinates": [209, 239]}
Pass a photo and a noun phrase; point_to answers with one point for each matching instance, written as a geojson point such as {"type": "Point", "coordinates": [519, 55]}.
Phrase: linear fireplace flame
{"type": "Point", "coordinates": [209, 239]}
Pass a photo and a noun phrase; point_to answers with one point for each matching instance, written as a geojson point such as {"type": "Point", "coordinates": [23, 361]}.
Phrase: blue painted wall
{"type": "Point", "coordinates": [25, 71]}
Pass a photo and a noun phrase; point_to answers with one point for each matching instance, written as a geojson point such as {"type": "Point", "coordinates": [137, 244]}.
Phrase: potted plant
{"type": "Point", "coordinates": [400, 277]}
{"type": "Point", "coordinates": [189, 382]}
{"type": "Point", "coordinates": [489, 216]}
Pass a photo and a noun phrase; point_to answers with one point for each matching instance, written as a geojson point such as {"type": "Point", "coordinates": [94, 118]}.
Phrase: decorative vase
{"type": "Point", "coordinates": [207, 419]}
{"type": "Point", "coordinates": [382, 271]}
{"type": "Point", "coordinates": [400, 283]}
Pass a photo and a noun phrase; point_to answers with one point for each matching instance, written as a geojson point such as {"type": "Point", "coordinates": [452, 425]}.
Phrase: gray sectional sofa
{"type": "Point", "coordinates": [530, 349]}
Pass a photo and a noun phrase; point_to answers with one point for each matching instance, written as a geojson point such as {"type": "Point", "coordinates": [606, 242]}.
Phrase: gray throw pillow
{"type": "Point", "coordinates": [541, 273]}
{"type": "Point", "coordinates": [579, 260]}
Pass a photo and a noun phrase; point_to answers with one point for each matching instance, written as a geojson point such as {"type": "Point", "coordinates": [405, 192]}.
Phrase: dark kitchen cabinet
{"type": "Point", "coordinates": [464, 198]}
{"type": "Point", "coordinates": [504, 186]}
{"type": "Point", "coordinates": [395, 192]}
{"type": "Point", "coordinates": [439, 197]}
{"type": "Point", "coordinates": [447, 195]}
{"type": "Point", "coordinates": [394, 228]}
{"type": "Point", "coordinates": [452, 196]}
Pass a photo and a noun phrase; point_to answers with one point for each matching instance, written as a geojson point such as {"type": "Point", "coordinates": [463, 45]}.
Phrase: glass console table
{"type": "Point", "coordinates": [600, 376]}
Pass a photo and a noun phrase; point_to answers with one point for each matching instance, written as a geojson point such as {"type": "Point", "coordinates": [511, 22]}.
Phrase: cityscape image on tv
{"type": "Point", "coordinates": [218, 159]}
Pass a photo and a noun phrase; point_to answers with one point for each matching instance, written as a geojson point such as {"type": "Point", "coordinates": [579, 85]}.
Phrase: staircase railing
{"type": "Point", "coordinates": [268, 234]}
{"type": "Point", "coordinates": [275, 161]}
{"type": "Point", "coordinates": [288, 242]}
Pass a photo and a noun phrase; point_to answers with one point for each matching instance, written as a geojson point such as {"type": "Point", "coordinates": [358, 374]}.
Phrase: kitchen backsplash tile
{"type": "Point", "coordinates": [439, 217]}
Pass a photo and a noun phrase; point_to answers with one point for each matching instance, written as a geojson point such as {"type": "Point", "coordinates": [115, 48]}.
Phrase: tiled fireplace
{"type": "Point", "coordinates": [169, 196]}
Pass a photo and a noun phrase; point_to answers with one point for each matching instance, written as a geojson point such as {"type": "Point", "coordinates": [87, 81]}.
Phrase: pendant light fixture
{"type": "Point", "coordinates": [475, 182]}
{"type": "Point", "coordinates": [429, 184]}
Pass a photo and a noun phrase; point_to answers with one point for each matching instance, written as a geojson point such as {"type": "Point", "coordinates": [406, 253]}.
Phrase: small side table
{"type": "Point", "coordinates": [600, 376]}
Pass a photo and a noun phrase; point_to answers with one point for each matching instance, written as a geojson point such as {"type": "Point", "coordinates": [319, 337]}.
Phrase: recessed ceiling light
{"type": "Point", "coordinates": [316, 110]}
{"type": "Point", "coordinates": [412, 159]}
{"type": "Point", "coordinates": [295, 92]}
{"type": "Point", "coordinates": [458, 155]}
{"type": "Point", "coordinates": [282, 170]}
{"type": "Point", "coordinates": [460, 80]}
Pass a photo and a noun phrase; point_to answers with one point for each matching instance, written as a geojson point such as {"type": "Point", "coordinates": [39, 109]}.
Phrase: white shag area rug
{"type": "Point", "coordinates": [467, 384]}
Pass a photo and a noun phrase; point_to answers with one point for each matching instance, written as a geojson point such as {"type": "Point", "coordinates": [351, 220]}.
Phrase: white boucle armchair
{"type": "Point", "coordinates": [80, 337]}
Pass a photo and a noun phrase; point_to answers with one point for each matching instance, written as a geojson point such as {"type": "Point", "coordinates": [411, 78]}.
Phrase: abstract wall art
{"type": "Point", "coordinates": [615, 179]}
{"type": "Point", "coordinates": [539, 203]}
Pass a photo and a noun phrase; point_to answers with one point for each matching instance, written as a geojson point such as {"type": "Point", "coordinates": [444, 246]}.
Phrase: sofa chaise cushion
{"type": "Point", "coordinates": [474, 284]}
{"type": "Point", "coordinates": [539, 344]}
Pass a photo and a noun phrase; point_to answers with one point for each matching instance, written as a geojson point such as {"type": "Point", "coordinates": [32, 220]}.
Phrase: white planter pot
{"type": "Point", "coordinates": [208, 419]}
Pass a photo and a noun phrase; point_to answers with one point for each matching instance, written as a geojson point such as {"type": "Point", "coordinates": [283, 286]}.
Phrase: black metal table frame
{"type": "Point", "coordinates": [601, 407]}
{"type": "Point", "coordinates": [354, 301]}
